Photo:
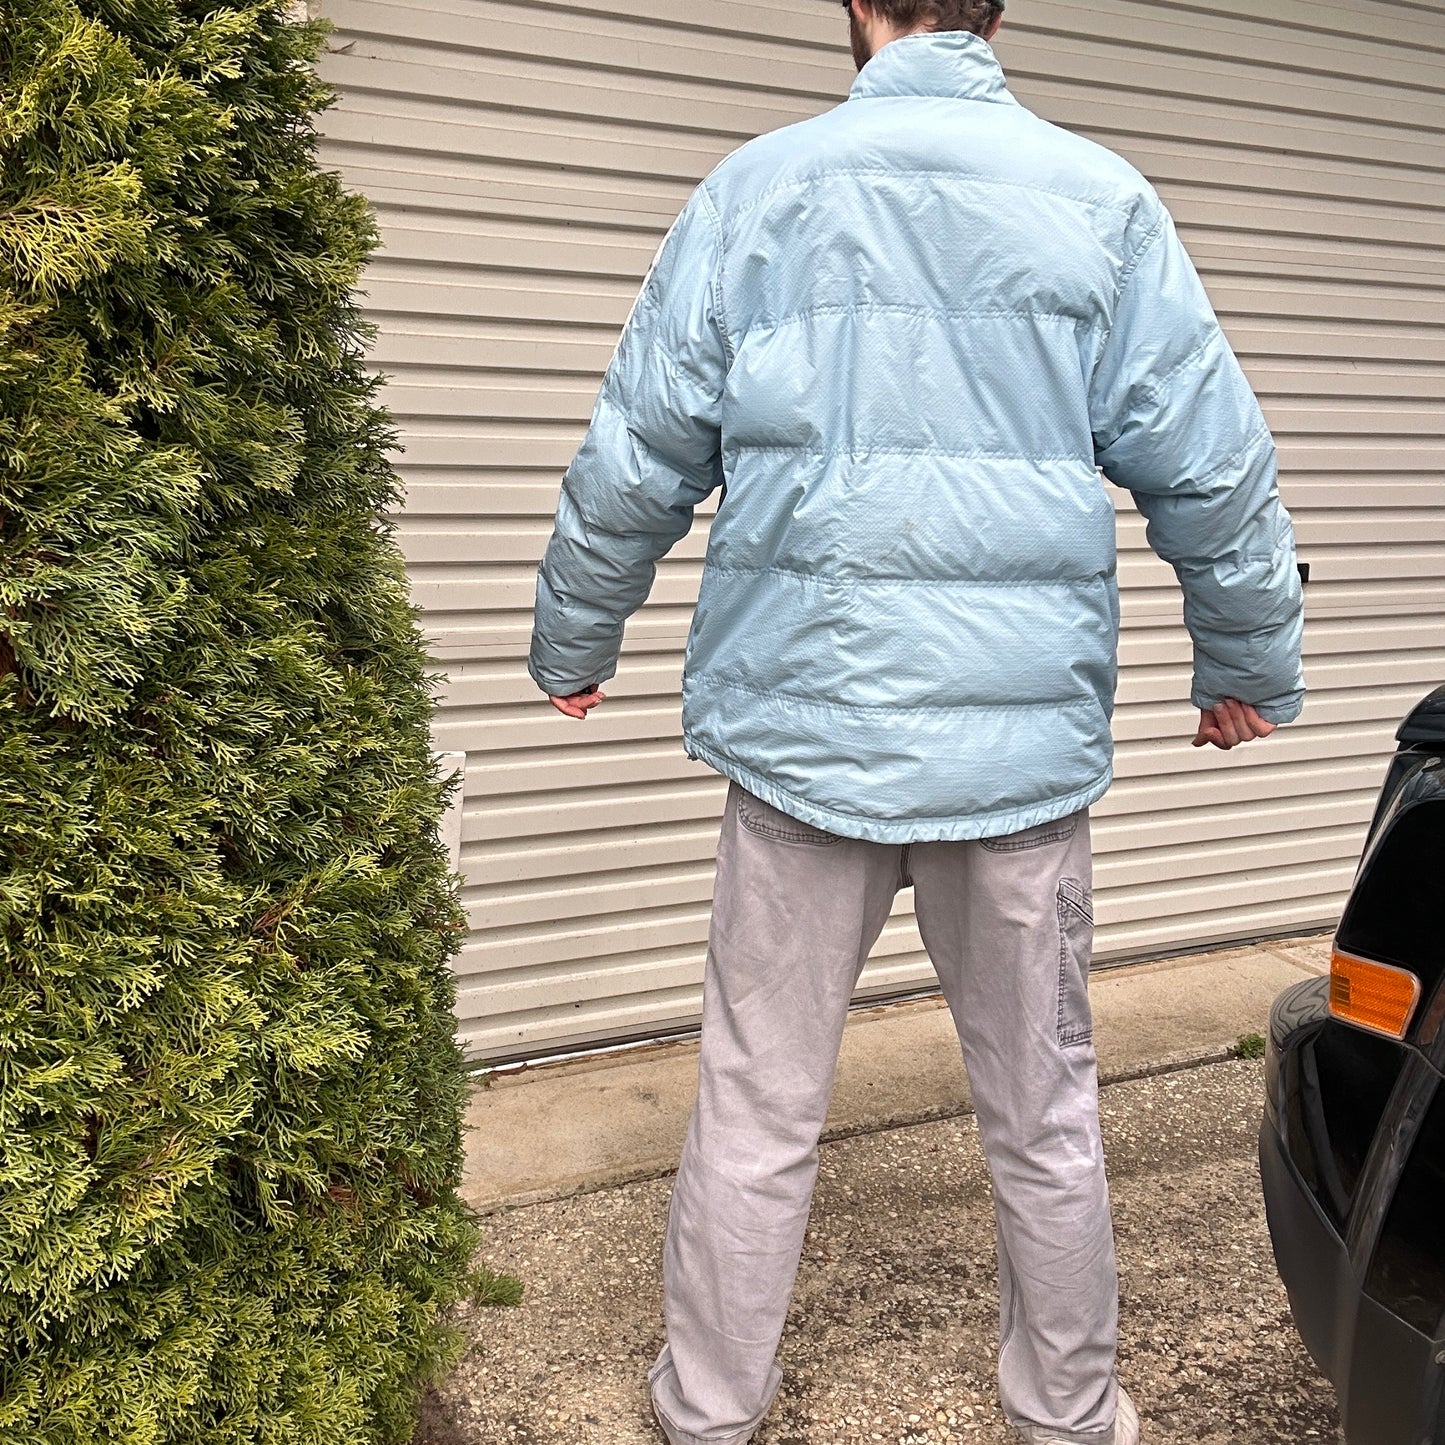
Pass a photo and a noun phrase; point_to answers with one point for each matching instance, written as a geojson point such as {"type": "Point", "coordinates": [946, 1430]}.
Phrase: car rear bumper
{"type": "Point", "coordinates": [1312, 1259]}
{"type": "Point", "coordinates": [1385, 1372]}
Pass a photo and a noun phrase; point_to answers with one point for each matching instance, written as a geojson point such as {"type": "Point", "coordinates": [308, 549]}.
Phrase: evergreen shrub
{"type": "Point", "coordinates": [229, 1086]}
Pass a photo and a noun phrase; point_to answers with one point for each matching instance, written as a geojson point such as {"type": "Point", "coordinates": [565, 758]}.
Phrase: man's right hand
{"type": "Point", "coordinates": [1229, 724]}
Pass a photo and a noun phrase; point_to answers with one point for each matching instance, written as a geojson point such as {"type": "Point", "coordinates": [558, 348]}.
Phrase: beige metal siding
{"type": "Point", "coordinates": [525, 160]}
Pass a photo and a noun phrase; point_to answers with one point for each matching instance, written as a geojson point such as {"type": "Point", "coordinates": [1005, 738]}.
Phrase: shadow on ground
{"type": "Point", "coordinates": [893, 1327]}
{"type": "Point", "coordinates": [436, 1423]}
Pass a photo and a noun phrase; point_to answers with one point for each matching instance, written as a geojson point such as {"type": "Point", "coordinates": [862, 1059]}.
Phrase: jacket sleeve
{"type": "Point", "coordinates": [651, 454]}
{"type": "Point", "coordinates": [1175, 422]}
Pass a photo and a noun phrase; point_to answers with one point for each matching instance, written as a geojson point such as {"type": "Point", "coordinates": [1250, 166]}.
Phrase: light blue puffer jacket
{"type": "Point", "coordinates": [905, 335]}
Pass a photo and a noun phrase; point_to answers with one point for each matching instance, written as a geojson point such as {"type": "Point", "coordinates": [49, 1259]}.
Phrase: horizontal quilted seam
{"type": "Point", "coordinates": [895, 308]}
{"type": "Point", "coordinates": [971, 455]}
{"type": "Point", "coordinates": [1123, 207]}
{"type": "Point", "coordinates": [1156, 386]}
{"type": "Point", "coordinates": [1232, 461]}
{"type": "Point", "coordinates": [821, 704]}
{"type": "Point", "coordinates": [703, 480]}
{"type": "Point", "coordinates": [723, 569]}
{"type": "Point", "coordinates": [1236, 559]}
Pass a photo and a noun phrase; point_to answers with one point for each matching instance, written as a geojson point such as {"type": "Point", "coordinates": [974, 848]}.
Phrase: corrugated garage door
{"type": "Point", "coordinates": [526, 158]}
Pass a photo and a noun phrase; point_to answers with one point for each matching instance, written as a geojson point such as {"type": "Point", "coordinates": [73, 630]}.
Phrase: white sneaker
{"type": "Point", "coordinates": [1126, 1421]}
{"type": "Point", "coordinates": [1126, 1427]}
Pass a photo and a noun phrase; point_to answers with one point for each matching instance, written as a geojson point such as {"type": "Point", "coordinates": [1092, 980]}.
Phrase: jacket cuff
{"type": "Point", "coordinates": [1278, 710]}
{"type": "Point", "coordinates": [1280, 713]}
{"type": "Point", "coordinates": [555, 686]}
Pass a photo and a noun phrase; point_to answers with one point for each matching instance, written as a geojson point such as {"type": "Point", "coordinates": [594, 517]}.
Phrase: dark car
{"type": "Point", "coordinates": [1352, 1150]}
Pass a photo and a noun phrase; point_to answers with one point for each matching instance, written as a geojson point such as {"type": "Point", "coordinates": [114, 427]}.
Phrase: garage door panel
{"type": "Point", "coordinates": [601, 895]}
{"type": "Point", "coordinates": [1315, 258]}
{"type": "Point", "coordinates": [1100, 60]}
{"type": "Point", "coordinates": [527, 158]}
{"type": "Point", "coordinates": [1317, 909]}
{"type": "Point", "coordinates": [1327, 178]}
{"type": "Point", "coordinates": [1409, 656]}
{"type": "Point", "coordinates": [1267, 212]}
{"type": "Point", "coordinates": [465, 637]}
{"type": "Point", "coordinates": [403, 176]}
{"type": "Point", "coordinates": [1124, 118]}
{"type": "Point", "coordinates": [1260, 36]}
{"type": "Point", "coordinates": [486, 79]}
{"type": "Point", "coordinates": [1158, 750]}
{"type": "Point", "coordinates": [622, 41]}
{"type": "Point", "coordinates": [503, 348]}
{"type": "Point", "coordinates": [587, 956]}
{"type": "Point", "coordinates": [1324, 342]}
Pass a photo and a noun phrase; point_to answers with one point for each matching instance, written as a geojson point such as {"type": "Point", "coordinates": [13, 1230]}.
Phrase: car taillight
{"type": "Point", "coordinates": [1375, 996]}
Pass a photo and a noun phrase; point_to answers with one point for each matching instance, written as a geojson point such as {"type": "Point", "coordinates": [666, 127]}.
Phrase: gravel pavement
{"type": "Point", "coordinates": [893, 1327]}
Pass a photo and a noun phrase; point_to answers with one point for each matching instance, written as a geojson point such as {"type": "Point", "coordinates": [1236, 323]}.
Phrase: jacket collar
{"type": "Point", "coordinates": [942, 62]}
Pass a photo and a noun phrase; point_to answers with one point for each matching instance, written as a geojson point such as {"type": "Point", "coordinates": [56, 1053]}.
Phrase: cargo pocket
{"type": "Point", "coordinates": [770, 822]}
{"type": "Point", "coordinates": [1076, 947]}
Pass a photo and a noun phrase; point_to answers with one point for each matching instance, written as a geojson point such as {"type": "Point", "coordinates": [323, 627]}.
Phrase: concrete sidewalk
{"type": "Point", "coordinates": [564, 1129]}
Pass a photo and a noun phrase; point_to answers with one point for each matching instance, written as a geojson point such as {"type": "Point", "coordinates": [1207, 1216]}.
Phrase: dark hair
{"type": "Point", "coordinates": [974, 15]}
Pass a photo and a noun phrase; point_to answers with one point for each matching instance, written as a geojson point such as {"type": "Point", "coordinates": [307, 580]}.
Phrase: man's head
{"type": "Point", "coordinates": [874, 23]}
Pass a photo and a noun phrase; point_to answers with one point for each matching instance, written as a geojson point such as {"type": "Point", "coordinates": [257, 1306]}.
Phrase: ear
{"type": "Point", "coordinates": [993, 26]}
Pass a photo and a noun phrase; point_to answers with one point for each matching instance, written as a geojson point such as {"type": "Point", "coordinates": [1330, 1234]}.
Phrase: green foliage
{"type": "Point", "coordinates": [1249, 1046]}
{"type": "Point", "coordinates": [493, 1289]}
{"type": "Point", "coordinates": [229, 1088]}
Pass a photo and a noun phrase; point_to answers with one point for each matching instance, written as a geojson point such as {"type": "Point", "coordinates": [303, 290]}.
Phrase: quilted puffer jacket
{"type": "Point", "coordinates": [904, 337]}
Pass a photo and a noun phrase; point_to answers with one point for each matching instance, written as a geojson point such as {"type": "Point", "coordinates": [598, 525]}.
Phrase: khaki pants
{"type": "Point", "coordinates": [1008, 924]}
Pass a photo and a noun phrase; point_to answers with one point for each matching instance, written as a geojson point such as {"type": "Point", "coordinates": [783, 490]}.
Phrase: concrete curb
{"type": "Point", "coordinates": [562, 1130]}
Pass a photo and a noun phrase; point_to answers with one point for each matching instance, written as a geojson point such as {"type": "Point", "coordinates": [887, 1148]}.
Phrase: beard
{"type": "Point", "coordinates": [862, 54]}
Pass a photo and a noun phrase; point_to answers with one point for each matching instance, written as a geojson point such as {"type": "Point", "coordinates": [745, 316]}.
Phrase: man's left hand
{"type": "Point", "coordinates": [579, 704]}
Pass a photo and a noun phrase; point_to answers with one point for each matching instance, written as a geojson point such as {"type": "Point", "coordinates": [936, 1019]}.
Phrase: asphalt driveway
{"type": "Point", "coordinates": [893, 1327]}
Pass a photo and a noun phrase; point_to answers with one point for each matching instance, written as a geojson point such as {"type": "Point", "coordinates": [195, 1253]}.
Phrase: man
{"type": "Point", "coordinates": [903, 337]}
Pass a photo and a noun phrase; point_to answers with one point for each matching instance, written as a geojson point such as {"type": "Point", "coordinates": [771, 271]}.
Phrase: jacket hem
{"type": "Point", "coordinates": [905, 830]}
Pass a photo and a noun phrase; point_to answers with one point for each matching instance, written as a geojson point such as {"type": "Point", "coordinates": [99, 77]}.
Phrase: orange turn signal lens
{"type": "Point", "coordinates": [1375, 996]}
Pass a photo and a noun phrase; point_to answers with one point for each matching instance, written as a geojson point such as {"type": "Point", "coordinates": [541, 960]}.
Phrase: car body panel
{"type": "Point", "coordinates": [1352, 1147]}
